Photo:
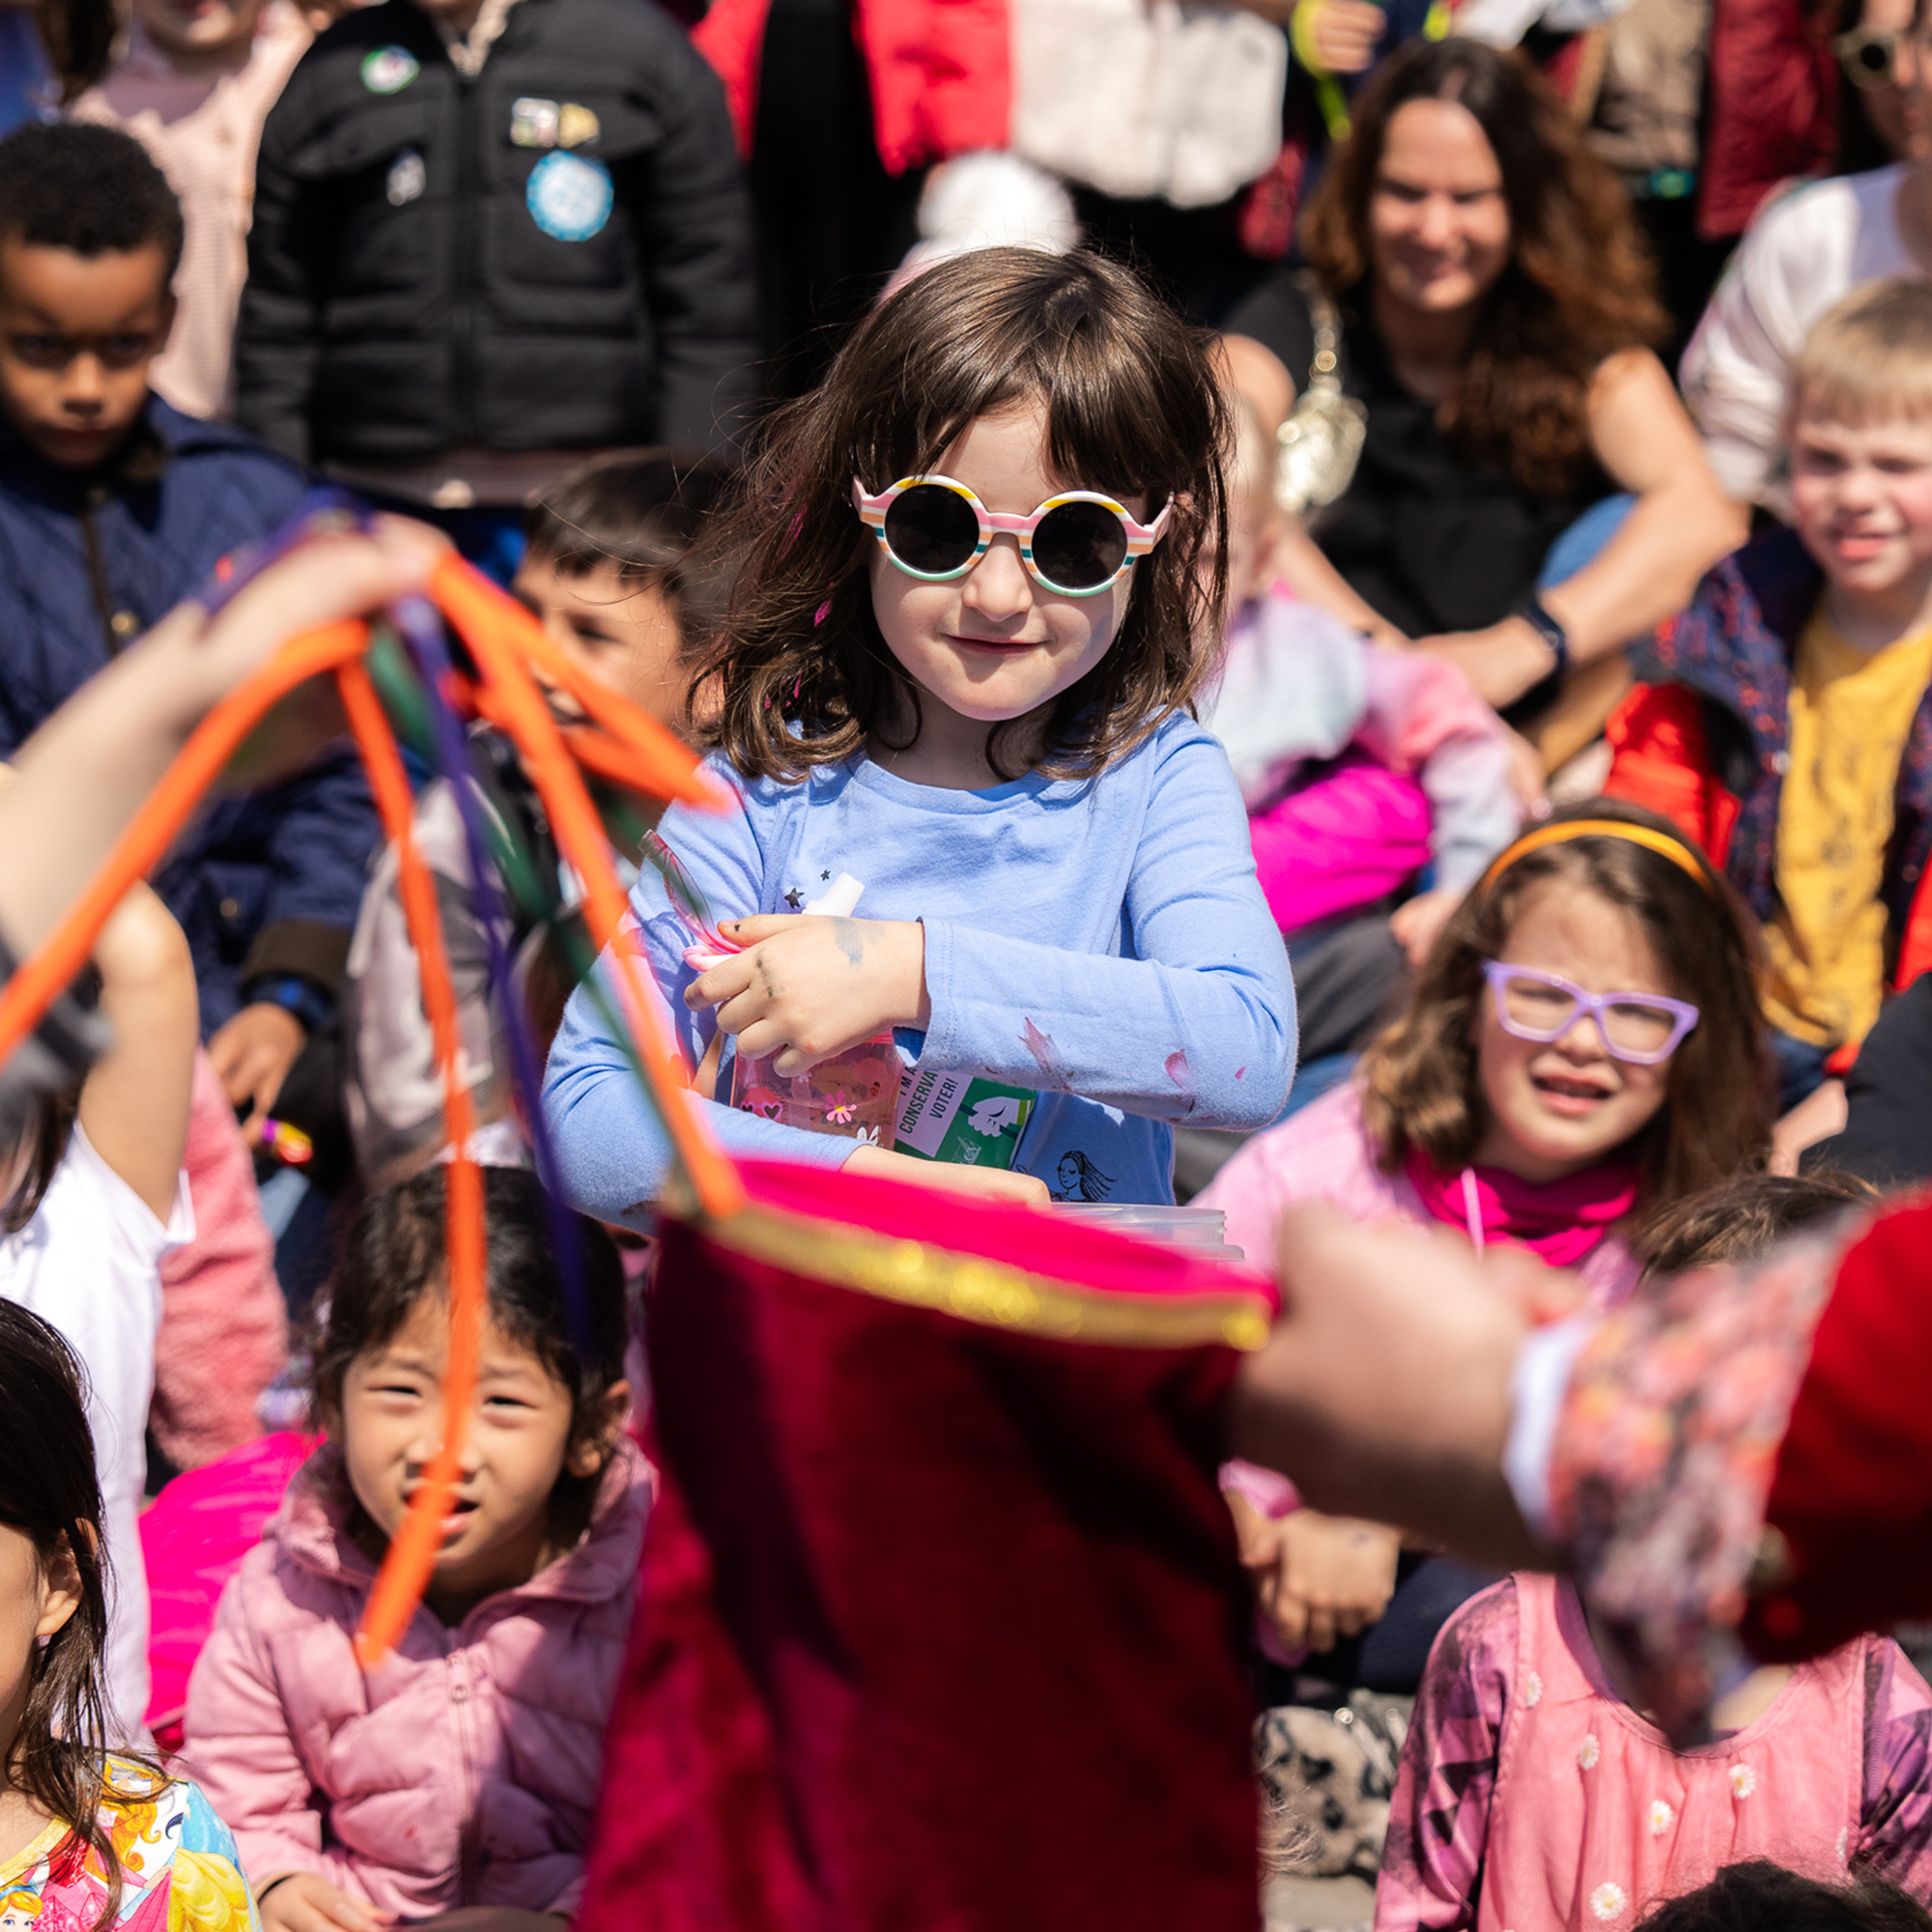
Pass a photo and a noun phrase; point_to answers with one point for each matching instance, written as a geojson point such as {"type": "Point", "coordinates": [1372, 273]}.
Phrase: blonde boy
{"type": "Point", "coordinates": [1786, 721]}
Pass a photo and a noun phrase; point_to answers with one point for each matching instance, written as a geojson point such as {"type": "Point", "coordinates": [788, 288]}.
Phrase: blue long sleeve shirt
{"type": "Point", "coordinates": [1103, 942]}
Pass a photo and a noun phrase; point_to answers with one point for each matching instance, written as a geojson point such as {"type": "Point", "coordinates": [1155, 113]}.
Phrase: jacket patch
{"type": "Point", "coordinates": [550, 123]}
{"type": "Point", "coordinates": [388, 70]}
{"type": "Point", "coordinates": [570, 198]}
{"type": "Point", "coordinates": [534, 123]}
{"type": "Point", "coordinates": [407, 178]}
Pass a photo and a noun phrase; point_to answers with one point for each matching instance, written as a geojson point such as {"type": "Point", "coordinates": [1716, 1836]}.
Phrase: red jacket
{"type": "Point", "coordinates": [941, 73]}
{"type": "Point", "coordinates": [1773, 89]}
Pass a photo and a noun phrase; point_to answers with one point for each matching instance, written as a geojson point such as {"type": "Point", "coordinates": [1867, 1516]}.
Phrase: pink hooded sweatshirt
{"type": "Point", "coordinates": [464, 1770]}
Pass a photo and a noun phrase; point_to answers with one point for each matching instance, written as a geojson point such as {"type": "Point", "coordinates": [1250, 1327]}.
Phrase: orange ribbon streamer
{"type": "Point", "coordinates": [412, 1553]}
{"type": "Point", "coordinates": [623, 744]}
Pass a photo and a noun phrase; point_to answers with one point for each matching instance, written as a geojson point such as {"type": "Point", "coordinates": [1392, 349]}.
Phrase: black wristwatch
{"type": "Point", "coordinates": [1546, 627]}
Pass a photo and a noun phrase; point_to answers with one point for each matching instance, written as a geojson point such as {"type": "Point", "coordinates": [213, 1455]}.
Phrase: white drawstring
{"type": "Point", "coordinates": [1471, 1209]}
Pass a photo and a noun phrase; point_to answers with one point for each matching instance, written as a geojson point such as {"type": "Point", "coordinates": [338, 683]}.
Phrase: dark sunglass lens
{"type": "Point", "coordinates": [933, 528]}
{"type": "Point", "coordinates": [1079, 546]}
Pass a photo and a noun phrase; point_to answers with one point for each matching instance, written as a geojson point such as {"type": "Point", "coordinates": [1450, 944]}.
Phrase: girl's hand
{"type": "Point", "coordinates": [807, 986]}
{"type": "Point", "coordinates": [1334, 1578]}
{"type": "Point", "coordinates": [306, 1902]}
{"type": "Point", "coordinates": [253, 1052]}
{"type": "Point", "coordinates": [1346, 33]}
{"type": "Point", "coordinates": [985, 1183]}
{"type": "Point", "coordinates": [1418, 923]}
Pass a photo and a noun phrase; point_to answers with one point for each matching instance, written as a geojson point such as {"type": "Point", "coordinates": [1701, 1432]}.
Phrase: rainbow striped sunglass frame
{"type": "Point", "coordinates": [927, 537]}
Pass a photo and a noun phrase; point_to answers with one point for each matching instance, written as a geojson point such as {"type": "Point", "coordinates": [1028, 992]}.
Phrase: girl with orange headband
{"type": "Point", "coordinates": [1580, 1051]}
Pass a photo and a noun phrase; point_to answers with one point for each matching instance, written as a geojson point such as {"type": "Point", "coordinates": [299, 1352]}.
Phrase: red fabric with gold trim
{"type": "Point", "coordinates": [1852, 1494]}
{"type": "Point", "coordinates": [942, 1625]}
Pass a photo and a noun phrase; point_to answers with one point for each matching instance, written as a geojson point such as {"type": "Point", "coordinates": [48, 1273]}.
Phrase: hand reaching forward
{"type": "Point", "coordinates": [1316, 1578]}
{"type": "Point", "coordinates": [807, 986]}
{"type": "Point", "coordinates": [253, 1052]}
{"type": "Point", "coordinates": [306, 1902]}
{"type": "Point", "coordinates": [985, 1183]}
{"type": "Point", "coordinates": [1384, 1389]}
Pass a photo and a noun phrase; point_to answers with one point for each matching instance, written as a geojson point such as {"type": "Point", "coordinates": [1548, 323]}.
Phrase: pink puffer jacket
{"type": "Point", "coordinates": [464, 1770]}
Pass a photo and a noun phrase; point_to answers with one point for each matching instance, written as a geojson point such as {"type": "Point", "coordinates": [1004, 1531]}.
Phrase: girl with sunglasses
{"type": "Point", "coordinates": [958, 669]}
{"type": "Point", "coordinates": [1582, 1051]}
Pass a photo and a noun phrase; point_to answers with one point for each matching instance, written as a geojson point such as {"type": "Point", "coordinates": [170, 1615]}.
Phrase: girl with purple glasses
{"type": "Point", "coordinates": [1580, 1052]}
{"type": "Point", "coordinates": [957, 674]}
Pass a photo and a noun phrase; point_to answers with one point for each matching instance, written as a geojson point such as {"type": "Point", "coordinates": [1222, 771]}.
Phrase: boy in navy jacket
{"type": "Point", "coordinates": [113, 508]}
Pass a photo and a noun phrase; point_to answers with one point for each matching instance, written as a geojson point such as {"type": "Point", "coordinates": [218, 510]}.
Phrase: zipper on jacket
{"type": "Point", "coordinates": [461, 1712]}
{"type": "Point", "coordinates": [463, 311]}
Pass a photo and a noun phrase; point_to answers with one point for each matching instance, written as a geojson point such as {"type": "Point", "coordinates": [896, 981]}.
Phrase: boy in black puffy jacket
{"type": "Point", "coordinates": [492, 237]}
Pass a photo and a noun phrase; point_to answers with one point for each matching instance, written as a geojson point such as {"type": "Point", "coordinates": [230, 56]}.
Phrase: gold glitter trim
{"type": "Point", "coordinates": [922, 1274]}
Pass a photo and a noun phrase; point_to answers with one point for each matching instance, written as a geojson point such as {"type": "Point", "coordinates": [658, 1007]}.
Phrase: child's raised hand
{"type": "Point", "coordinates": [807, 986]}
{"type": "Point", "coordinates": [306, 1902]}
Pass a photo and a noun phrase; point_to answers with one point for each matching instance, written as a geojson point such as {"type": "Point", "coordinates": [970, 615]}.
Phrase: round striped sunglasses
{"type": "Point", "coordinates": [1076, 544]}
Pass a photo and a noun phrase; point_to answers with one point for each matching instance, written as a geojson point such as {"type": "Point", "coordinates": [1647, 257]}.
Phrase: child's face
{"type": "Point", "coordinates": [1862, 499]}
{"type": "Point", "coordinates": [517, 1445]}
{"type": "Point", "coordinates": [77, 333]}
{"type": "Point", "coordinates": [199, 27]}
{"type": "Point", "coordinates": [996, 644]}
{"type": "Point", "coordinates": [1557, 1107]}
{"type": "Point", "coordinates": [622, 632]}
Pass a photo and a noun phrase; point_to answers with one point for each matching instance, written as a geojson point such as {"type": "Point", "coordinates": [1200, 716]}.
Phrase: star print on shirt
{"type": "Point", "coordinates": [794, 899]}
{"type": "Point", "coordinates": [825, 875]}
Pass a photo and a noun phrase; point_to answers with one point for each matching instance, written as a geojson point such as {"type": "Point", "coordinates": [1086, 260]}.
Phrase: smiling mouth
{"type": "Point", "coordinates": [997, 645]}
{"type": "Point", "coordinates": [1568, 1087]}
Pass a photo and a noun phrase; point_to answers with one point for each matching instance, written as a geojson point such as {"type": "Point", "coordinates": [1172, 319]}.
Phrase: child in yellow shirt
{"type": "Point", "coordinates": [1784, 720]}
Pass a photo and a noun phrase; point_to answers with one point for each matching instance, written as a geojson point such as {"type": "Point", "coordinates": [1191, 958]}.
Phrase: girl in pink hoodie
{"type": "Point", "coordinates": [462, 1771]}
{"type": "Point", "coordinates": [1578, 1053]}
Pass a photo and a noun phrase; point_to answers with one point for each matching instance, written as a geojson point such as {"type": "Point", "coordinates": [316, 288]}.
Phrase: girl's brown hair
{"type": "Point", "coordinates": [1418, 1081]}
{"type": "Point", "coordinates": [1578, 287]}
{"type": "Point", "coordinates": [802, 676]}
{"type": "Point", "coordinates": [51, 1494]}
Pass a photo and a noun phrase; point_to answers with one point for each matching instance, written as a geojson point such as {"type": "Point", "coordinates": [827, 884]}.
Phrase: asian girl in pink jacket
{"type": "Point", "coordinates": [462, 1770]}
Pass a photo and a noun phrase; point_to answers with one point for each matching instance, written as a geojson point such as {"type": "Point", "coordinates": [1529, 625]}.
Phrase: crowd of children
{"type": "Point", "coordinates": [1074, 858]}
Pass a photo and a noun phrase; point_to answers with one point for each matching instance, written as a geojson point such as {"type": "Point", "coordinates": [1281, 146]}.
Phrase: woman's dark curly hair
{"type": "Point", "coordinates": [1578, 287]}
{"type": "Point", "coordinates": [1419, 1083]}
{"type": "Point", "coordinates": [803, 676]}
{"type": "Point", "coordinates": [49, 1492]}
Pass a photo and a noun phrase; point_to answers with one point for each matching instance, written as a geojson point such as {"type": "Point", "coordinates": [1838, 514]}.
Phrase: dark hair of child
{"type": "Point", "coordinates": [641, 512]}
{"type": "Point", "coordinates": [1743, 1217]}
{"type": "Point", "coordinates": [1419, 1083]}
{"type": "Point", "coordinates": [396, 1252]}
{"type": "Point", "coordinates": [93, 190]}
{"type": "Point", "coordinates": [1759, 1897]}
{"type": "Point", "coordinates": [1132, 408]}
{"type": "Point", "coordinates": [49, 1492]}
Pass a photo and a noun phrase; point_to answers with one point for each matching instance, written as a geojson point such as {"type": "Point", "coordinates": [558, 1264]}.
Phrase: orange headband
{"type": "Point", "coordinates": [1663, 844]}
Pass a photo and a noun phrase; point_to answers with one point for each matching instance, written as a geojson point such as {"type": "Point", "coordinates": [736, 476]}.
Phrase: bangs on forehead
{"type": "Point", "coordinates": [1869, 359]}
{"type": "Point", "coordinates": [1109, 418]}
{"type": "Point", "coordinates": [1891, 389]}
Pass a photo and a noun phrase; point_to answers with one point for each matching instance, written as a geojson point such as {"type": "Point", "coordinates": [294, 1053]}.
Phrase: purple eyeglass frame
{"type": "Point", "coordinates": [1683, 1015]}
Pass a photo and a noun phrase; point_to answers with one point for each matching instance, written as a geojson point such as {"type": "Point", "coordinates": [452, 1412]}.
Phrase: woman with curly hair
{"type": "Point", "coordinates": [1494, 314]}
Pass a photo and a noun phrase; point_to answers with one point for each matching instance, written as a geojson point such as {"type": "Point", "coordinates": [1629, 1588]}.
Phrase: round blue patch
{"type": "Point", "coordinates": [570, 197]}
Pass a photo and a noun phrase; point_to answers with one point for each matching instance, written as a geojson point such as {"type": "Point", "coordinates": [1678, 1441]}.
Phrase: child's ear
{"type": "Point", "coordinates": [61, 1587]}
{"type": "Point", "coordinates": [598, 1431]}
